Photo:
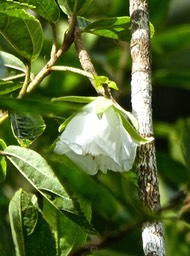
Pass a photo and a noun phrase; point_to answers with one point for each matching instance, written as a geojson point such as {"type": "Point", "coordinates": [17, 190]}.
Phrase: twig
{"type": "Point", "coordinates": [110, 239]}
{"type": "Point", "coordinates": [152, 232]}
{"type": "Point", "coordinates": [26, 80]}
{"type": "Point", "coordinates": [71, 69]}
{"type": "Point", "coordinates": [68, 39]}
{"type": "Point", "coordinates": [86, 62]}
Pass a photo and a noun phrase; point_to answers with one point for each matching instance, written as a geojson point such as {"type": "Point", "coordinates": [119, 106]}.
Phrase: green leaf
{"type": "Point", "coordinates": [41, 106]}
{"type": "Point", "coordinates": [3, 164]}
{"type": "Point", "coordinates": [37, 171]}
{"type": "Point", "coordinates": [12, 62]}
{"type": "Point", "coordinates": [117, 28]}
{"type": "Point", "coordinates": [30, 230]}
{"type": "Point", "coordinates": [8, 87]}
{"type": "Point", "coordinates": [101, 81]}
{"type": "Point", "coordinates": [15, 216]}
{"type": "Point", "coordinates": [26, 127]}
{"type": "Point", "coordinates": [78, 7]}
{"type": "Point", "coordinates": [76, 99]}
{"type": "Point", "coordinates": [22, 31]}
{"type": "Point", "coordinates": [130, 125]}
{"type": "Point", "coordinates": [68, 235]}
{"type": "Point", "coordinates": [48, 9]}
{"type": "Point", "coordinates": [86, 187]}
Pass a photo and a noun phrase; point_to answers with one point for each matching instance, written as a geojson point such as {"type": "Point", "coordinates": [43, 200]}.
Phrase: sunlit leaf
{"type": "Point", "coordinates": [116, 28]}
{"type": "Point", "coordinates": [22, 31]}
{"type": "Point", "coordinates": [101, 81]}
{"type": "Point", "coordinates": [26, 127]}
{"type": "Point", "coordinates": [48, 9]}
{"type": "Point", "coordinates": [8, 87]}
{"type": "Point", "coordinates": [30, 230]}
{"type": "Point", "coordinates": [74, 6]}
{"type": "Point", "coordinates": [68, 234]}
{"type": "Point", "coordinates": [36, 106]}
{"type": "Point", "coordinates": [3, 164]}
{"type": "Point", "coordinates": [11, 62]}
{"type": "Point", "coordinates": [37, 171]}
{"type": "Point", "coordinates": [76, 99]}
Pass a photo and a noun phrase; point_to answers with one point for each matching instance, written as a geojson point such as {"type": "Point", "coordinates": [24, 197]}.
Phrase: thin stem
{"type": "Point", "coordinates": [86, 62]}
{"type": "Point", "coordinates": [68, 39]}
{"type": "Point", "coordinates": [71, 69]}
{"type": "Point", "coordinates": [26, 81]}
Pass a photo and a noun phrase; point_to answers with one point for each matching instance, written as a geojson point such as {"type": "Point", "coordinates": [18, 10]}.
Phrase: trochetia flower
{"type": "Point", "coordinates": [96, 139]}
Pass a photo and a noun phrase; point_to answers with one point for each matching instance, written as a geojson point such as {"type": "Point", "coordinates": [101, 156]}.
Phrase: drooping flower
{"type": "Point", "coordinates": [96, 139]}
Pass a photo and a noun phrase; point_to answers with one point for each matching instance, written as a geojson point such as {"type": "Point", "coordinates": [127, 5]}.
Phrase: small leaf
{"type": "Point", "coordinates": [3, 164]}
{"type": "Point", "coordinates": [22, 31]}
{"type": "Point", "coordinates": [36, 170]}
{"type": "Point", "coordinates": [48, 9]}
{"type": "Point", "coordinates": [78, 7]}
{"type": "Point", "coordinates": [26, 127]}
{"type": "Point", "coordinates": [101, 81]}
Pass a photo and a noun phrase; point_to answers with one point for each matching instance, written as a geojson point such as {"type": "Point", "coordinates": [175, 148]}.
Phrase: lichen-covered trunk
{"type": "Point", "coordinates": [141, 88]}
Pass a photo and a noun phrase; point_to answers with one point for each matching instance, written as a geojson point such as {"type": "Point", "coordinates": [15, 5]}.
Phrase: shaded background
{"type": "Point", "coordinates": [171, 116]}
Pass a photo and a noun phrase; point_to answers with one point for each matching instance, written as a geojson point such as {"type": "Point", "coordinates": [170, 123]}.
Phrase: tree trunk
{"type": "Point", "coordinates": [141, 89]}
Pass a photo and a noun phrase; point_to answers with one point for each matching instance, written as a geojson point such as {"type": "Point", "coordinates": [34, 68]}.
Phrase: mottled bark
{"type": "Point", "coordinates": [141, 88]}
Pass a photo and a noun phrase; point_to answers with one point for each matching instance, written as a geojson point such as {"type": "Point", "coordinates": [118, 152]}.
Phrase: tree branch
{"type": "Point", "coordinates": [141, 88]}
{"type": "Point", "coordinates": [86, 62]}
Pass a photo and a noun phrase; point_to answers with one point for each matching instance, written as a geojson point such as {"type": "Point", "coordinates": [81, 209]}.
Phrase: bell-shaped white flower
{"type": "Point", "coordinates": [95, 139]}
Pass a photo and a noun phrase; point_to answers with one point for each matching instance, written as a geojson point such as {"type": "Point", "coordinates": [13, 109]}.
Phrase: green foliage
{"type": "Point", "coordinates": [48, 9]}
{"type": "Point", "coordinates": [31, 233]}
{"type": "Point", "coordinates": [55, 208]}
{"type": "Point", "coordinates": [26, 127]}
{"type": "Point", "coordinates": [27, 39]}
{"type": "Point", "coordinates": [78, 7]}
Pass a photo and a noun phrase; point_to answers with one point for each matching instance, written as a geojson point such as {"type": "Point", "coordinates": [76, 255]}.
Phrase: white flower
{"type": "Point", "coordinates": [95, 139]}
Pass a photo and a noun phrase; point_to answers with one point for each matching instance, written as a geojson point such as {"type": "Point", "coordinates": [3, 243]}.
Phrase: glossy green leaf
{"type": "Point", "coordinates": [26, 127]}
{"type": "Point", "coordinates": [48, 9]}
{"type": "Point", "coordinates": [30, 230]}
{"type": "Point", "coordinates": [22, 31]}
{"type": "Point", "coordinates": [37, 171]}
{"type": "Point", "coordinates": [3, 163]}
{"type": "Point", "coordinates": [8, 87]}
{"type": "Point", "coordinates": [78, 7]}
